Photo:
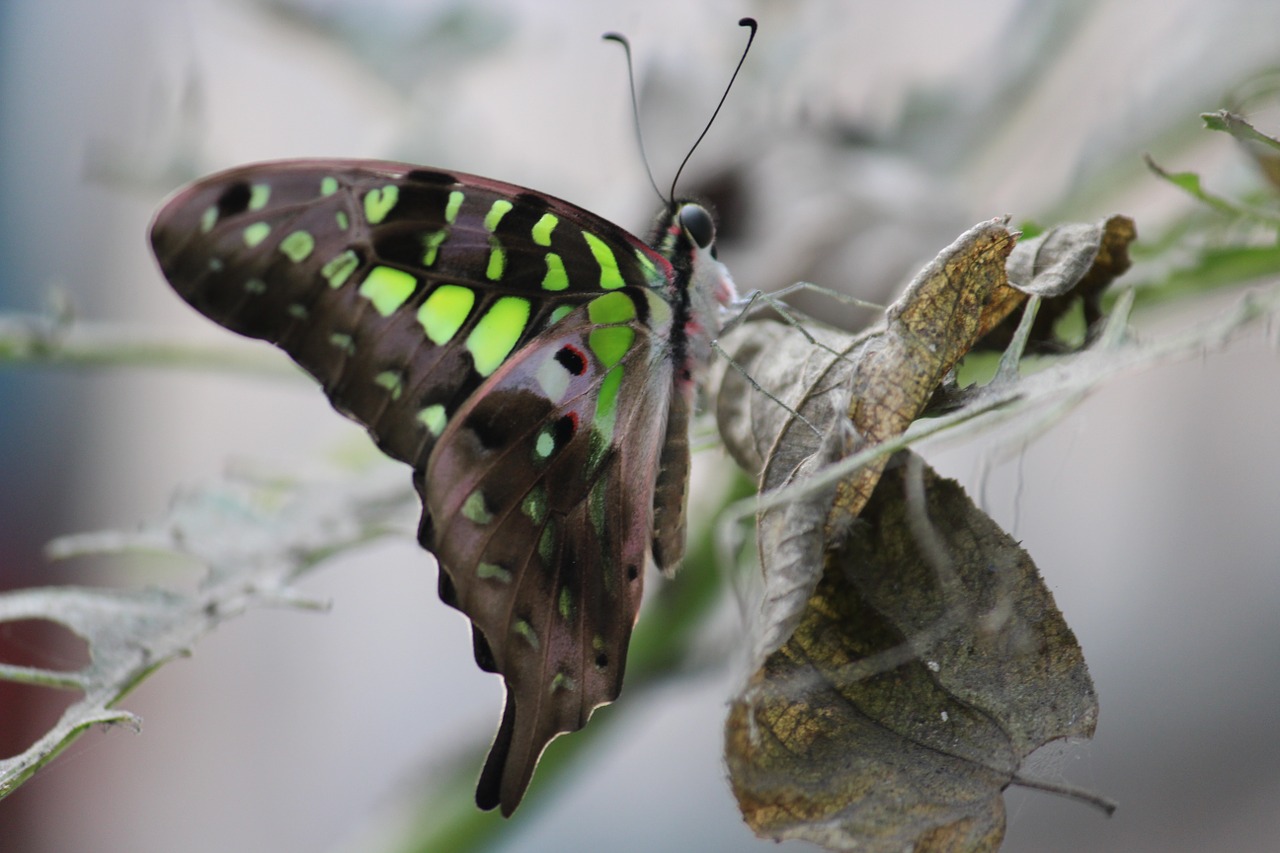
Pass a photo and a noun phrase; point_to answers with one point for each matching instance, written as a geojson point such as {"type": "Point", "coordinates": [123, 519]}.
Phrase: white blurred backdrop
{"type": "Point", "coordinates": [861, 138]}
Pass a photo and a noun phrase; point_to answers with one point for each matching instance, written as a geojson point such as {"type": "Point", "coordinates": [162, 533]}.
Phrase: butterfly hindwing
{"type": "Point", "coordinates": [549, 521]}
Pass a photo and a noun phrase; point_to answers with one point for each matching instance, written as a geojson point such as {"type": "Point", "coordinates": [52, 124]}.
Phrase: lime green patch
{"type": "Point", "coordinates": [545, 445]}
{"type": "Point", "coordinates": [650, 268]}
{"type": "Point", "coordinates": [475, 510]}
{"type": "Point", "coordinates": [497, 332]}
{"type": "Point", "coordinates": [378, 202]}
{"type": "Point", "coordinates": [444, 312]}
{"type": "Point", "coordinates": [607, 403]}
{"type": "Point", "coordinates": [560, 313]}
{"type": "Point", "coordinates": [564, 604]}
{"type": "Point", "coordinates": [256, 233]}
{"type": "Point", "coordinates": [497, 260]}
{"type": "Point", "coordinates": [610, 275]}
{"type": "Point", "coordinates": [255, 286]}
{"type": "Point", "coordinates": [433, 418]}
{"type": "Point", "coordinates": [561, 681]}
{"type": "Point", "coordinates": [388, 288]}
{"type": "Point", "coordinates": [344, 222]}
{"type": "Point", "coordinates": [343, 342]}
{"type": "Point", "coordinates": [453, 206]}
{"type": "Point", "coordinates": [298, 246]}
{"type": "Point", "coordinates": [497, 210]}
{"type": "Point", "coordinates": [610, 343]}
{"type": "Point", "coordinates": [259, 194]}
{"type": "Point", "coordinates": [611, 308]}
{"type": "Point", "coordinates": [492, 572]}
{"type": "Point", "coordinates": [328, 185]}
{"type": "Point", "coordinates": [543, 227]}
{"type": "Point", "coordinates": [338, 270]}
{"type": "Point", "coordinates": [556, 278]}
{"type": "Point", "coordinates": [393, 381]}
{"type": "Point", "coordinates": [298, 312]}
{"type": "Point", "coordinates": [524, 629]}
{"type": "Point", "coordinates": [534, 505]}
{"type": "Point", "coordinates": [431, 245]}
{"type": "Point", "coordinates": [208, 219]}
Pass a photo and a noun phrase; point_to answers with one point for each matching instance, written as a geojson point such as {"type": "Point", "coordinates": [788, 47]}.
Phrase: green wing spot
{"type": "Point", "coordinates": [444, 312]}
{"type": "Point", "coordinates": [610, 343]}
{"type": "Point", "coordinates": [607, 404]}
{"type": "Point", "coordinates": [543, 227]}
{"type": "Point", "coordinates": [597, 645]}
{"type": "Point", "coordinates": [378, 202]}
{"type": "Point", "coordinates": [547, 543]}
{"type": "Point", "coordinates": [650, 268]}
{"type": "Point", "coordinates": [497, 260]}
{"type": "Point", "coordinates": [496, 211]}
{"type": "Point", "coordinates": [343, 342]}
{"type": "Point", "coordinates": [454, 205]}
{"type": "Point", "coordinates": [208, 219]}
{"type": "Point", "coordinates": [298, 246]}
{"type": "Point", "coordinates": [545, 445]}
{"type": "Point", "coordinates": [215, 264]}
{"type": "Point", "coordinates": [328, 185]}
{"type": "Point", "coordinates": [596, 506]}
{"type": "Point", "coordinates": [492, 572]}
{"type": "Point", "coordinates": [259, 195]}
{"type": "Point", "coordinates": [475, 510]}
{"type": "Point", "coordinates": [534, 506]}
{"type": "Point", "coordinates": [524, 629]}
{"type": "Point", "coordinates": [556, 278]}
{"type": "Point", "coordinates": [565, 604]}
{"type": "Point", "coordinates": [610, 275]}
{"type": "Point", "coordinates": [393, 381]}
{"type": "Point", "coordinates": [343, 221]}
{"type": "Point", "coordinates": [611, 308]}
{"type": "Point", "coordinates": [256, 233]}
{"type": "Point", "coordinates": [434, 419]}
{"type": "Point", "coordinates": [388, 288]}
{"type": "Point", "coordinates": [338, 270]}
{"type": "Point", "coordinates": [431, 245]}
{"type": "Point", "coordinates": [298, 311]}
{"type": "Point", "coordinates": [560, 313]}
{"type": "Point", "coordinates": [496, 333]}
{"type": "Point", "coordinates": [255, 286]}
{"type": "Point", "coordinates": [561, 681]}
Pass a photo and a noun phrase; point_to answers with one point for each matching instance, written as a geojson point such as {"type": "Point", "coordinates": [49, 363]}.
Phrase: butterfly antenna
{"type": "Point", "coordinates": [635, 109]}
{"type": "Point", "coordinates": [745, 22]}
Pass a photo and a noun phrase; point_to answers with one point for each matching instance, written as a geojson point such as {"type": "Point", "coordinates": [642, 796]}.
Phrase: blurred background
{"type": "Point", "coordinates": [860, 139]}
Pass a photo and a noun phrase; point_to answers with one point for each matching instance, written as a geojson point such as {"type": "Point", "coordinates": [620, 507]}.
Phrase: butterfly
{"type": "Point", "coordinates": [534, 363]}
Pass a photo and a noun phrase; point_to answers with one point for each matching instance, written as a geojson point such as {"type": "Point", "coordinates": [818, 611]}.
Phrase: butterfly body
{"type": "Point", "coordinates": [533, 363]}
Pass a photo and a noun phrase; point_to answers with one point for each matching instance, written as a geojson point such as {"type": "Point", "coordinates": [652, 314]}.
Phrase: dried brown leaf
{"type": "Point", "coordinates": [929, 662]}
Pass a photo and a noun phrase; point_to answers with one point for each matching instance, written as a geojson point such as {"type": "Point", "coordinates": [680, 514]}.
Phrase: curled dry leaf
{"type": "Point", "coordinates": [930, 662]}
{"type": "Point", "coordinates": [1065, 264]}
{"type": "Point", "coordinates": [850, 733]}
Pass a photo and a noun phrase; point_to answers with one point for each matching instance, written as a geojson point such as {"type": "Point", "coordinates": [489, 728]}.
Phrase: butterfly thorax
{"type": "Point", "coordinates": [700, 291]}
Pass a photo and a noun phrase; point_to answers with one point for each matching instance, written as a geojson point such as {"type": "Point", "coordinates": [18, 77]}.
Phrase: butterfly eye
{"type": "Point", "coordinates": [698, 225]}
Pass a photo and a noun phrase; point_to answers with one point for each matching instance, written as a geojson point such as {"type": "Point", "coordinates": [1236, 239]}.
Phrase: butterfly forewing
{"type": "Point", "coordinates": [399, 288]}
{"type": "Point", "coordinates": [518, 352]}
